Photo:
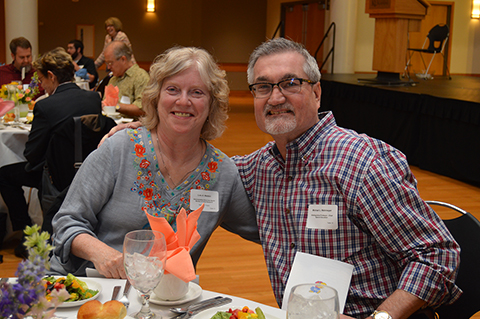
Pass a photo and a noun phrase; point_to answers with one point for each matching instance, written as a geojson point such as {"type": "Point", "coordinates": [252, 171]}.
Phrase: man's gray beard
{"type": "Point", "coordinates": [27, 68]}
{"type": "Point", "coordinates": [280, 125]}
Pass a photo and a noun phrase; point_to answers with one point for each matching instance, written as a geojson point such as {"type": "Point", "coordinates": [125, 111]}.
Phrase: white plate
{"type": "Point", "coordinates": [209, 313]}
{"type": "Point", "coordinates": [194, 291]}
{"type": "Point", "coordinates": [114, 115]}
{"type": "Point", "coordinates": [91, 285]}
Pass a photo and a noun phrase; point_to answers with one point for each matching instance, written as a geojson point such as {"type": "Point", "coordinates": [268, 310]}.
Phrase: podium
{"type": "Point", "coordinates": [394, 19]}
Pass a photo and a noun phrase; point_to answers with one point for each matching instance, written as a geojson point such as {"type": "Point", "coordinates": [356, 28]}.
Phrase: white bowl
{"type": "Point", "coordinates": [171, 288]}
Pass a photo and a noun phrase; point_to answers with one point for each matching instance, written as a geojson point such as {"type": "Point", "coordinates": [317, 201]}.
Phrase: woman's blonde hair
{"type": "Point", "coordinates": [176, 60]}
{"type": "Point", "coordinates": [117, 24]}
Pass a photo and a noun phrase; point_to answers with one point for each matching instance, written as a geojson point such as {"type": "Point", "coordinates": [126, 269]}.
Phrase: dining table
{"type": "Point", "coordinates": [13, 137]}
{"type": "Point", "coordinates": [161, 307]}
{"type": "Point", "coordinates": [12, 144]}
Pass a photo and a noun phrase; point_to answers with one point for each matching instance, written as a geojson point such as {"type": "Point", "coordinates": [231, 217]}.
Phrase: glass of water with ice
{"type": "Point", "coordinates": [313, 301]}
{"type": "Point", "coordinates": [144, 258]}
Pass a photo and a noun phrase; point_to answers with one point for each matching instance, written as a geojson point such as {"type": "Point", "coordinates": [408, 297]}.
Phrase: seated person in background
{"type": "Point", "coordinates": [75, 49]}
{"type": "Point", "coordinates": [155, 167]}
{"type": "Point", "coordinates": [21, 51]}
{"type": "Point", "coordinates": [66, 100]}
{"type": "Point", "coordinates": [404, 257]}
{"type": "Point", "coordinates": [127, 76]}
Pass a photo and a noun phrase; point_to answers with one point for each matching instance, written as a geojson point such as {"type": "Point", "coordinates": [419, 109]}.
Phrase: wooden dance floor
{"type": "Point", "coordinates": [436, 123]}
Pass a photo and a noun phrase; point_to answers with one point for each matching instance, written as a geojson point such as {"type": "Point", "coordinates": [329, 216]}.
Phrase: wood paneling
{"type": "Point", "coordinates": [437, 14]}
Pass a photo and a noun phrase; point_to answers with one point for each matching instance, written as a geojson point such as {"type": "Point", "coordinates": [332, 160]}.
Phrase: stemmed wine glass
{"type": "Point", "coordinates": [144, 258]}
{"type": "Point", "coordinates": [314, 301]}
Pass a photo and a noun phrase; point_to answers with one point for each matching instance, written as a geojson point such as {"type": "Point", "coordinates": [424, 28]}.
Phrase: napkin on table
{"type": "Point", "coordinates": [5, 106]}
{"type": "Point", "coordinates": [82, 73]}
{"type": "Point", "coordinates": [111, 95]}
{"type": "Point", "coordinates": [179, 262]}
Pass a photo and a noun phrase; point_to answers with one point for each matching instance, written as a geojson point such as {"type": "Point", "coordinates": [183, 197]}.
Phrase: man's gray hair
{"type": "Point", "coordinates": [281, 45]}
{"type": "Point", "coordinates": [121, 49]}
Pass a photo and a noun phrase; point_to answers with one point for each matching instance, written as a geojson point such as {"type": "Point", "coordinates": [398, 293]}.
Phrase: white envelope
{"type": "Point", "coordinates": [309, 268]}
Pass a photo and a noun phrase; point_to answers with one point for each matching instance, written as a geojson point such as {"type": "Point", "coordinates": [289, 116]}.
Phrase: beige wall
{"type": "Point", "coordinates": [465, 37]}
{"type": "Point", "coordinates": [229, 29]}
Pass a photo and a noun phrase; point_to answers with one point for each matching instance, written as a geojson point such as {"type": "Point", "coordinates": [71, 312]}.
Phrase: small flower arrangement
{"type": "Point", "coordinates": [27, 297]}
{"type": "Point", "coordinates": [16, 92]}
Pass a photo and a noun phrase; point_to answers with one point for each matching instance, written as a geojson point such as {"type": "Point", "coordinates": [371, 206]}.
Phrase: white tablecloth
{"type": "Point", "coordinates": [12, 145]}
{"type": "Point", "coordinates": [135, 302]}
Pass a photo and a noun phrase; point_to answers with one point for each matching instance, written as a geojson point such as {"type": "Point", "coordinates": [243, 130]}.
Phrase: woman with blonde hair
{"type": "Point", "coordinates": [163, 166]}
{"type": "Point", "coordinates": [114, 29]}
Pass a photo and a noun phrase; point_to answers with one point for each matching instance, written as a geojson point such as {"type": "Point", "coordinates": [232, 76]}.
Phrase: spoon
{"type": "Point", "coordinates": [180, 310]}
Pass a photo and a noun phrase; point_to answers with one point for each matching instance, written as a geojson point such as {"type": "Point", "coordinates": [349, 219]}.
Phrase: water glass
{"type": "Point", "coordinates": [144, 258]}
{"type": "Point", "coordinates": [313, 301]}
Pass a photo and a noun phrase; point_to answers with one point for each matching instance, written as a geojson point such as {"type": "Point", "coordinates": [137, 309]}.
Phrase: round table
{"type": "Point", "coordinates": [12, 145]}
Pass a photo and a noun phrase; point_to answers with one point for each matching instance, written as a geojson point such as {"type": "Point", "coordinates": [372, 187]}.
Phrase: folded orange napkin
{"type": "Point", "coordinates": [6, 106]}
{"type": "Point", "coordinates": [111, 95]}
{"type": "Point", "coordinates": [179, 262]}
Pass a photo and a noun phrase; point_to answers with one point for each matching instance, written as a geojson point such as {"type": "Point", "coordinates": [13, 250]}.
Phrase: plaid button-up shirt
{"type": "Point", "coordinates": [390, 235]}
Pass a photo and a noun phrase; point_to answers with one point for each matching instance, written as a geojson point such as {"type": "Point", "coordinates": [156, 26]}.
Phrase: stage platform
{"type": "Point", "coordinates": [436, 123]}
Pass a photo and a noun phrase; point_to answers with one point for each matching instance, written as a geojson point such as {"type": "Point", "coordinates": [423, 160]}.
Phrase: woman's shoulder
{"type": "Point", "coordinates": [217, 158]}
{"type": "Point", "coordinates": [122, 36]}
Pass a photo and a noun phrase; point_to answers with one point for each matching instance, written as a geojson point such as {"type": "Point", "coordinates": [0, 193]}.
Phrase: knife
{"type": "Point", "coordinates": [213, 304]}
{"type": "Point", "coordinates": [116, 290]}
{"type": "Point", "coordinates": [182, 310]}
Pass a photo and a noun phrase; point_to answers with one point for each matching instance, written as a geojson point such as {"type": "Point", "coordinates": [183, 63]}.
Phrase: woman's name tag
{"type": "Point", "coordinates": [199, 197]}
{"type": "Point", "coordinates": [322, 217]}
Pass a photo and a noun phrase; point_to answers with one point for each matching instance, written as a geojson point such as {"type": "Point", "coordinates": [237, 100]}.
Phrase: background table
{"type": "Point", "coordinates": [12, 145]}
{"type": "Point", "coordinates": [135, 301]}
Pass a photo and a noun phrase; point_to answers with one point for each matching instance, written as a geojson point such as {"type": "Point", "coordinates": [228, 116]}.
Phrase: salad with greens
{"type": "Point", "coordinates": [77, 289]}
{"type": "Point", "coordinates": [244, 313]}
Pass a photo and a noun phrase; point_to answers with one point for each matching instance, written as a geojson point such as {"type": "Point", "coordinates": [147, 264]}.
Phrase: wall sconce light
{"type": "Point", "coordinates": [150, 5]}
{"type": "Point", "coordinates": [475, 9]}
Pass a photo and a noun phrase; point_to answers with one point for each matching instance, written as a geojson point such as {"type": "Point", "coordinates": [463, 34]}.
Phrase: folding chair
{"type": "Point", "coordinates": [466, 231]}
{"type": "Point", "coordinates": [437, 39]}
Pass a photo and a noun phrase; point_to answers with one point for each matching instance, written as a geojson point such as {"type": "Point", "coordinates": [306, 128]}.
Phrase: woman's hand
{"type": "Point", "coordinates": [108, 261]}
{"type": "Point", "coordinates": [118, 128]}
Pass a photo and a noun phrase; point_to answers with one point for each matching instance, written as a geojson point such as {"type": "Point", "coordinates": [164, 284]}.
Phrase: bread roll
{"type": "Point", "coordinates": [94, 309]}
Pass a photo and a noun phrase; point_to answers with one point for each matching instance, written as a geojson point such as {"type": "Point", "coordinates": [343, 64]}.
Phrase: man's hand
{"type": "Point", "coordinates": [401, 304]}
{"type": "Point", "coordinates": [119, 127]}
{"type": "Point", "coordinates": [130, 110]}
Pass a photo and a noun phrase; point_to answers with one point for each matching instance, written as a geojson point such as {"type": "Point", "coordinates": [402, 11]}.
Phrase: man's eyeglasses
{"type": "Point", "coordinates": [110, 63]}
{"type": "Point", "coordinates": [287, 87]}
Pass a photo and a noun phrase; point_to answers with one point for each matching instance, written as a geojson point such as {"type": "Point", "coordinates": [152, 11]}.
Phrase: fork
{"type": "Point", "coordinates": [124, 298]}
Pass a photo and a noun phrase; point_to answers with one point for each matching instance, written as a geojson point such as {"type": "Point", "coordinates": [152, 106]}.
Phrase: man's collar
{"type": "Point", "coordinates": [128, 71]}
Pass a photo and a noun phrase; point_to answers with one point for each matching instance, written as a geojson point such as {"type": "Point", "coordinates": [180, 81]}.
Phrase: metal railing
{"type": "Point", "coordinates": [332, 50]}
{"type": "Point", "coordinates": [277, 29]}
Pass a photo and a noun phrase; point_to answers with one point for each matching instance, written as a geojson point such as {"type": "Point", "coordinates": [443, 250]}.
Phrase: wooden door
{"type": "Point", "coordinates": [438, 13]}
{"type": "Point", "coordinates": [304, 22]}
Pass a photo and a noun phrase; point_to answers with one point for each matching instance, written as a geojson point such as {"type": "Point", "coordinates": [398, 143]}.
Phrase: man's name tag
{"type": "Point", "coordinates": [322, 217]}
{"type": "Point", "coordinates": [199, 197]}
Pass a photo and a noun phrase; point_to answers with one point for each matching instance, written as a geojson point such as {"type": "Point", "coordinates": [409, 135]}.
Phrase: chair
{"type": "Point", "coordinates": [68, 147]}
{"type": "Point", "coordinates": [466, 231]}
{"type": "Point", "coordinates": [103, 83]}
{"type": "Point", "coordinates": [437, 40]}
